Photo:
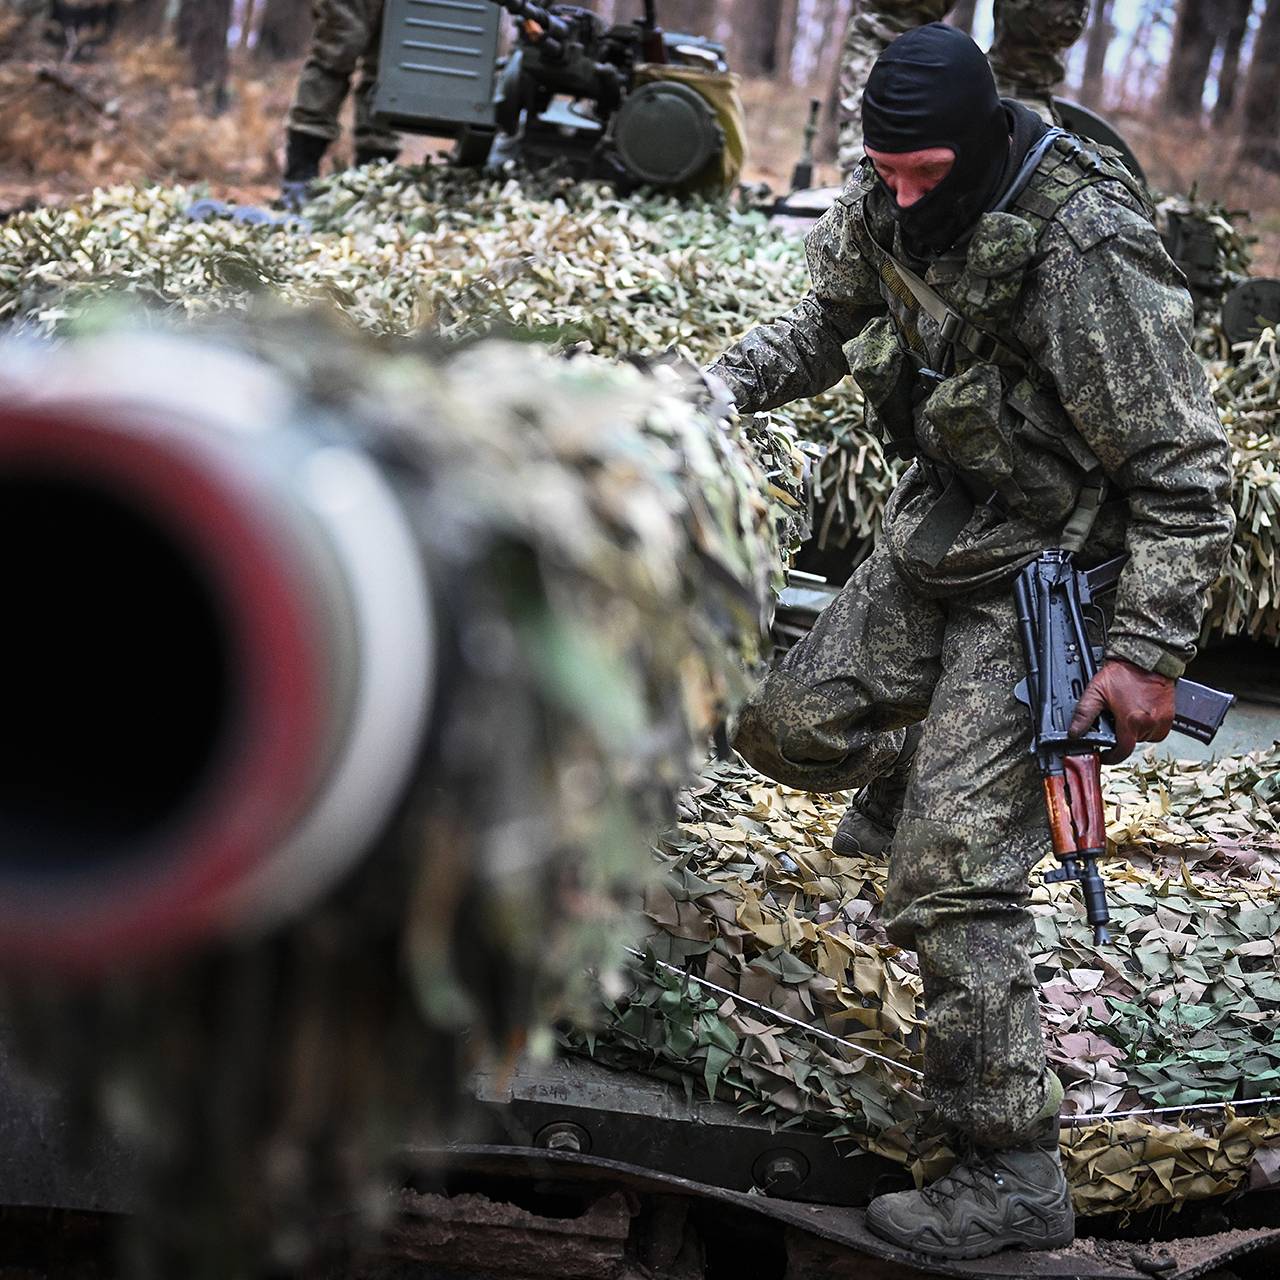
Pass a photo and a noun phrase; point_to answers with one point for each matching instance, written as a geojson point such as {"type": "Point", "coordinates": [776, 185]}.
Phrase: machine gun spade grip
{"type": "Point", "coordinates": [538, 24]}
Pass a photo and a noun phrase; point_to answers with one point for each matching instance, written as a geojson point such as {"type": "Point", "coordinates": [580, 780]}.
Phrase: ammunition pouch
{"type": "Point", "coordinates": [1018, 475]}
{"type": "Point", "coordinates": [887, 374]}
{"type": "Point", "coordinates": [999, 253]}
{"type": "Point", "coordinates": [979, 422]}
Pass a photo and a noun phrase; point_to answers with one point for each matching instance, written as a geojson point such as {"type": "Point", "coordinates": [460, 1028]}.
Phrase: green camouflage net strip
{"type": "Point", "coordinates": [1183, 1008]}
{"type": "Point", "coordinates": [396, 249]}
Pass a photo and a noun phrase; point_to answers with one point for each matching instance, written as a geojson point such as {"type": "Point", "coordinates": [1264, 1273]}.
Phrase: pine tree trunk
{"type": "Point", "coordinates": [961, 15]}
{"type": "Point", "coordinates": [284, 29]}
{"type": "Point", "coordinates": [202, 31]}
{"type": "Point", "coordinates": [749, 31]}
{"type": "Point", "coordinates": [248, 12]}
{"type": "Point", "coordinates": [762, 46]}
{"type": "Point", "coordinates": [788, 12]}
{"type": "Point", "coordinates": [692, 17]}
{"type": "Point", "coordinates": [829, 75]}
{"type": "Point", "coordinates": [145, 18]}
{"type": "Point", "coordinates": [1234, 19]}
{"type": "Point", "coordinates": [1101, 32]}
{"type": "Point", "coordinates": [1193, 42]}
{"type": "Point", "coordinates": [1260, 141]}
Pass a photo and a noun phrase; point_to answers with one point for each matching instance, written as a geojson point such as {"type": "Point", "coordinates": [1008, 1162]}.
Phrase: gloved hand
{"type": "Point", "coordinates": [1141, 702]}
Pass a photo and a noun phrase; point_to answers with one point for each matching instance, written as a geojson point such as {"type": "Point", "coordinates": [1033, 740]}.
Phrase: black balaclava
{"type": "Point", "coordinates": [933, 87]}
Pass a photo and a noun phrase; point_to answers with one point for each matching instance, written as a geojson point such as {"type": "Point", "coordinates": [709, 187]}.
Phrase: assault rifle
{"type": "Point", "coordinates": [1055, 602]}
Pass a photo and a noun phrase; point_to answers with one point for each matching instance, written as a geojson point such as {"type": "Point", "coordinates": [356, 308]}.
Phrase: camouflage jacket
{"type": "Point", "coordinates": [1105, 382]}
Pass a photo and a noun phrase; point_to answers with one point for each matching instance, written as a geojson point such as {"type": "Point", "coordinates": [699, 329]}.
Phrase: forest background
{"type": "Point", "coordinates": [195, 91]}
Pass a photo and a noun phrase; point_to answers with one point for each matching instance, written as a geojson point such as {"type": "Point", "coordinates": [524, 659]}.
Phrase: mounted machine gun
{"type": "Point", "coordinates": [627, 102]}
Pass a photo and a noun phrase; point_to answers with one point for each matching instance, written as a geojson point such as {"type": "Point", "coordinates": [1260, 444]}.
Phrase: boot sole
{"type": "Point", "coordinates": [1060, 1240]}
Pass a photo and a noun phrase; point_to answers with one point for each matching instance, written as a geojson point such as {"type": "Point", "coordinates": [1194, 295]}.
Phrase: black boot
{"type": "Point", "coordinates": [869, 823]}
{"type": "Point", "coordinates": [1014, 1198]}
{"type": "Point", "coordinates": [367, 155]}
{"type": "Point", "coordinates": [302, 155]}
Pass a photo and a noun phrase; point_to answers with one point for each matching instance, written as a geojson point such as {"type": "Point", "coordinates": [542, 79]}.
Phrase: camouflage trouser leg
{"type": "Point", "coordinates": [872, 25]}
{"type": "Point", "coordinates": [346, 35]}
{"type": "Point", "coordinates": [1032, 37]}
{"type": "Point", "coordinates": [831, 716]}
{"type": "Point", "coordinates": [973, 825]}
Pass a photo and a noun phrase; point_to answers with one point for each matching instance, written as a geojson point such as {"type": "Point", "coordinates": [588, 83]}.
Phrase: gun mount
{"type": "Point", "coordinates": [627, 102]}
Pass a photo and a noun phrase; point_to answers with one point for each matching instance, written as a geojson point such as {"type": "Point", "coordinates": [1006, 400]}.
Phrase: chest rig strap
{"type": "Point", "coordinates": [952, 325]}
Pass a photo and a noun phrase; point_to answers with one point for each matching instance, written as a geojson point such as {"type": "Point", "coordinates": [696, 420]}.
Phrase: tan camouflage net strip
{"type": "Point", "coordinates": [1181, 1010]}
{"type": "Point", "coordinates": [400, 248]}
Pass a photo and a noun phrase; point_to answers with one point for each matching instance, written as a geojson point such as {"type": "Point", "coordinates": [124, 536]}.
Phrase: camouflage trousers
{"type": "Point", "coordinates": [831, 716]}
{"type": "Point", "coordinates": [1030, 38]}
{"type": "Point", "coordinates": [345, 36]}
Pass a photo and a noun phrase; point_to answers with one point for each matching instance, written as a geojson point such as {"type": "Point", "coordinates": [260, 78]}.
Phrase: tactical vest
{"type": "Point", "coordinates": [945, 377]}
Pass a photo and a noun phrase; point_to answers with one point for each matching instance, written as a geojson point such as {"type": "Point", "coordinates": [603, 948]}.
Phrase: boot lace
{"type": "Point", "coordinates": [977, 1172]}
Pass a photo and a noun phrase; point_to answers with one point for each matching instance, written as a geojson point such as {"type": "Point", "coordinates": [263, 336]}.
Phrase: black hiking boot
{"type": "Point", "coordinates": [990, 1200]}
{"type": "Point", "coordinates": [367, 155]}
{"type": "Point", "coordinates": [302, 155]}
{"type": "Point", "coordinates": [872, 817]}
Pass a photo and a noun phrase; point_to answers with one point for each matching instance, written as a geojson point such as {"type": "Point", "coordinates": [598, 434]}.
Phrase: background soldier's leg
{"type": "Point", "coordinates": [972, 829]}
{"type": "Point", "coordinates": [872, 25]}
{"type": "Point", "coordinates": [339, 37]}
{"type": "Point", "coordinates": [831, 715]}
{"type": "Point", "coordinates": [372, 142]}
{"type": "Point", "coordinates": [1032, 37]}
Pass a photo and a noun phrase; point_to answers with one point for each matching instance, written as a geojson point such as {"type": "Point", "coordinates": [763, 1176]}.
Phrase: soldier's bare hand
{"type": "Point", "coordinates": [1140, 701]}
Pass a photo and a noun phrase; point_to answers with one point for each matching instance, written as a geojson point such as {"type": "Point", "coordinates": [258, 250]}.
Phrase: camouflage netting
{"type": "Point", "coordinates": [602, 553]}
{"type": "Point", "coordinates": [1183, 1008]}
{"type": "Point", "coordinates": [399, 248]}
{"type": "Point", "coordinates": [1187, 1010]}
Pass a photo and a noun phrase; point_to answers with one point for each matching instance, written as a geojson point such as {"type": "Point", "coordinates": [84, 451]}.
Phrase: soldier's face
{"type": "Point", "coordinates": [911, 175]}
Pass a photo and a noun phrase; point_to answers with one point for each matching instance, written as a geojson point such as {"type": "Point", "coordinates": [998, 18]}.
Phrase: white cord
{"type": "Point", "coordinates": [822, 1034]}
{"type": "Point", "coordinates": [1099, 1116]}
{"type": "Point", "coordinates": [778, 1016]}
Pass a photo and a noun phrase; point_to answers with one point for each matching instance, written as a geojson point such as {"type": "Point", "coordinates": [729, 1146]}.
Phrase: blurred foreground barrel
{"type": "Point", "coordinates": [219, 649]}
{"type": "Point", "coordinates": [345, 686]}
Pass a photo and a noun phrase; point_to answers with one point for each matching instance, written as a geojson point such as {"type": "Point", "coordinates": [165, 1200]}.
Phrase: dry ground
{"type": "Point", "coordinates": [65, 128]}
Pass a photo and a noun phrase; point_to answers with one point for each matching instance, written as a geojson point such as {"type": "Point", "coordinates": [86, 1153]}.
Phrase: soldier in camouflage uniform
{"type": "Point", "coordinates": [1015, 324]}
{"type": "Point", "coordinates": [346, 35]}
{"type": "Point", "coordinates": [1026, 55]}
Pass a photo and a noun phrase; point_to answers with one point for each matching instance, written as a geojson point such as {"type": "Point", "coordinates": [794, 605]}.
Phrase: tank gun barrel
{"type": "Point", "coordinates": [346, 685]}
{"type": "Point", "coordinates": [223, 651]}
{"type": "Point", "coordinates": [232, 567]}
